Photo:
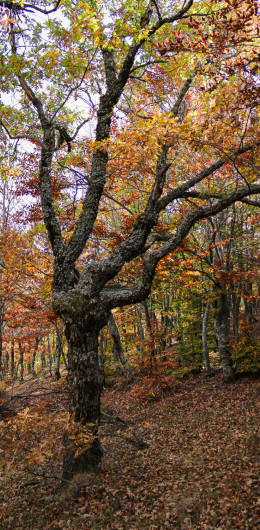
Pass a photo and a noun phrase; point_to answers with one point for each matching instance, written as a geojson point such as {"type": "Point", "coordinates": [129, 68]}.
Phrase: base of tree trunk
{"type": "Point", "coordinates": [86, 462]}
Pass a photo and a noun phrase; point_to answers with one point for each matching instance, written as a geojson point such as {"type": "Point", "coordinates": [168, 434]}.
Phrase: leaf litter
{"type": "Point", "coordinates": [198, 468]}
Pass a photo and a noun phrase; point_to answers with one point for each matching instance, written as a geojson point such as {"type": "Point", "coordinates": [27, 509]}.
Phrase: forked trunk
{"type": "Point", "coordinates": [85, 387]}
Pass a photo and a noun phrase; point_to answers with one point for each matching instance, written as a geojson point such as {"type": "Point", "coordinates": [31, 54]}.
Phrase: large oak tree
{"type": "Point", "coordinates": [149, 107]}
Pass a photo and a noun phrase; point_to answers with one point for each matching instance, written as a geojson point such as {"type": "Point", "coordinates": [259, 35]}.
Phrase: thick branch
{"type": "Point", "coordinates": [110, 67]}
{"type": "Point", "coordinates": [204, 196]}
{"type": "Point", "coordinates": [87, 219]}
{"type": "Point", "coordinates": [134, 244]}
{"type": "Point", "coordinates": [112, 297]}
{"type": "Point", "coordinates": [34, 100]}
{"type": "Point", "coordinates": [182, 94]}
{"type": "Point", "coordinates": [50, 219]}
{"type": "Point", "coordinates": [202, 213]}
{"type": "Point", "coordinates": [47, 151]}
{"type": "Point", "coordinates": [178, 192]}
{"type": "Point", "coordinates": [44, 11]}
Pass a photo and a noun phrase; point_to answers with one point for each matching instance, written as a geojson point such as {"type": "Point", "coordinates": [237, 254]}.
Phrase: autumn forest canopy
{"type": "Point", "coordinates": [129, 198]}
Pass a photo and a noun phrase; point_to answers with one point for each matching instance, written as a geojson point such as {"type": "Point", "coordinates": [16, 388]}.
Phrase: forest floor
{"type": "Point", "coordinates": [199, 470]}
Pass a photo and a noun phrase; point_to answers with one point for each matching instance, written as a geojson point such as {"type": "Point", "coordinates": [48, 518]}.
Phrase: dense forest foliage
{"type": "Point", "coordinates": [129, 199]}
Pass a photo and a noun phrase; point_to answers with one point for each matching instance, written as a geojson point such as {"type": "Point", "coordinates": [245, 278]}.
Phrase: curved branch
{"type": "Point", "coordinates": [112, 297]}
{"type": "Point", "coordinates": [178, 192]}
{"type": "Point", "coordinates": [202, 213]}
{"type": "Point", "coordinates": [47, 150]}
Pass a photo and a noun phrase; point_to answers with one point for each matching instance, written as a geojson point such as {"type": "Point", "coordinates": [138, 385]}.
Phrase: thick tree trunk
{"type": "Point", "coordinates": [221, 325]}
{"type": "Point", "coordinates": [85, 386]}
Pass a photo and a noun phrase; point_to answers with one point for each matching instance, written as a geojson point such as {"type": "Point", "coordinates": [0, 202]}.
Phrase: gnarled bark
{"type": "Point", "coordinates": [85, 379]}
